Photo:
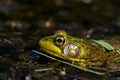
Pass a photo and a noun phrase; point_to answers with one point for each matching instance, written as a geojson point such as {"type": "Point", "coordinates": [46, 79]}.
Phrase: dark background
{"type": "Point", "coordinates": [24, 22]}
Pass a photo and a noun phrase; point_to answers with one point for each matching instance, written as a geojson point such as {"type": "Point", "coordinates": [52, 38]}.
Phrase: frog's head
{"type": "Point", "coordinates": [62, 46]}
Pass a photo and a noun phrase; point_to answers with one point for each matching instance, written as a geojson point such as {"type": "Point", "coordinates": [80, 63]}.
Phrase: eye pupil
{"type": "Point", "coordinates": [59, 40]}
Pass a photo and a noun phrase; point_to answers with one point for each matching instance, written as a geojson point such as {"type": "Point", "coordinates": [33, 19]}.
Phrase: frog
{"type": "Point", "coordinates": [80, 51]}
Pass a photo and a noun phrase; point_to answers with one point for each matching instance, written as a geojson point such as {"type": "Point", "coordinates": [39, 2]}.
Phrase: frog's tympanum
{"type": "Point", "coordinates": [80, 51]}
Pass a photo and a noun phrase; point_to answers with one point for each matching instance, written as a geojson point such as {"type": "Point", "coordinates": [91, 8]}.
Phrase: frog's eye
{"type": "Point", "coordinates": [71, 50]}
{"type": "Point", "coordinates": [59, 41]}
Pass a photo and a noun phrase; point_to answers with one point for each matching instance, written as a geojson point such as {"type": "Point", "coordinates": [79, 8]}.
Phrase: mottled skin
{"type": "Point", "coordinates": [91, 54]}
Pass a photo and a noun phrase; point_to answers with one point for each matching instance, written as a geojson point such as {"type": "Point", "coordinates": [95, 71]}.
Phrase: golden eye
{"type": "Point", "coordinates": [59, 41]}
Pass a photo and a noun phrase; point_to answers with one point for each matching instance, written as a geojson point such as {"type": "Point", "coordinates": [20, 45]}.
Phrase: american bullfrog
{"type": "Point", "coordinates": [81, 52]}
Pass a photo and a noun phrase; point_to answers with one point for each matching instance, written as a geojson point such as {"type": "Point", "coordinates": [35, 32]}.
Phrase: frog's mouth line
{"type": "Point", "coordinates": [70, 50]}
{"type": "Point", "coordinates": [52, 53]}
{"type": "Point", "coordinates": [61, 55]}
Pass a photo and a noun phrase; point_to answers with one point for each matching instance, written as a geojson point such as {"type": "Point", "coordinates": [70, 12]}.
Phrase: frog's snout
{"type": "Point", "coordinates": [42, 41]}
{"type": "Point", "coordinates": [47, 45]}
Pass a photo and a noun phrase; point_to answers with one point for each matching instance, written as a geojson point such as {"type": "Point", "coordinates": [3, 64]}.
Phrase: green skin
{"type": "Point", "coordinates": [90, 54]}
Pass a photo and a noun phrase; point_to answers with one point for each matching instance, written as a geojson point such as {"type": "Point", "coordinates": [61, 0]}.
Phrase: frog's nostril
{"type": "Point", "coordinates": [71, 50]}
